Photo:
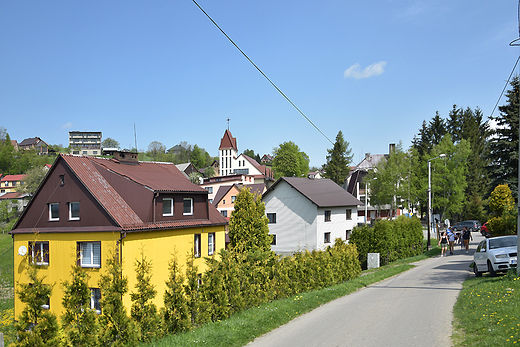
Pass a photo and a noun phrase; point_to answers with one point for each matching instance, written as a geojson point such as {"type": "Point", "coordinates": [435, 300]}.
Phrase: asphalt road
{"type": "Point", "coordinates": [414, 308]}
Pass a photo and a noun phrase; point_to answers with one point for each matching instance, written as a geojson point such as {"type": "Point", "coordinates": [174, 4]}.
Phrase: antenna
{"type": "Point", "coordinates": [135, 139]}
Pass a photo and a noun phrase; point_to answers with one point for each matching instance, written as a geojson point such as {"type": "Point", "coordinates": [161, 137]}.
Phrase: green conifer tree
{"type": "Point", "coordinates": [117, 329]}
{"type": "Point", "coordinates": [175, 312]}
{"type": "Point", "coordinates": [79, 321]}
{"type": "Point", "coordinates": [144, 311]}
{"type": "Point", "coordinates": [339, 159]}
{"type": "Point", "coordinates": [248, 223]}
{"type": "Point", "coordinates": [36, 326]}
{"type": "Point", "coordinates": [191, 289]}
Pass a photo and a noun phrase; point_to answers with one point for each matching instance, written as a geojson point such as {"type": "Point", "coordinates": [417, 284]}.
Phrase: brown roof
{"type": "Point", "coordinates": [228, 141]}
{"type": "Point", "coordinates": [160, 177]}
{"type": "Point", "coordinates": [321, 192]}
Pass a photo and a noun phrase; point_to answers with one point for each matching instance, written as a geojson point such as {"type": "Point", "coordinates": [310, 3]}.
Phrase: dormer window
{"type": "Point", "coordinates": [167, 207]}
{"type": "Point", "coordinates": [188, 207]}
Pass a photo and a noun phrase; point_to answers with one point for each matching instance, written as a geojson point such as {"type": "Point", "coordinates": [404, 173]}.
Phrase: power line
{"type": "Point", "coordinates": [263, 74]}
{"type": "Point", "coordinates": [507, 82]}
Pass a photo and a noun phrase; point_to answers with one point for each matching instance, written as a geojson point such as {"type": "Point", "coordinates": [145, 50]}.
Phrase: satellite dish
{"type": "Point", "coordinates": [22, 250]}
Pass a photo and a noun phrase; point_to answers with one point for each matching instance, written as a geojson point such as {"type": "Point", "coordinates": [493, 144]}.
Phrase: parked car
{"type": "Point", "coordinates": [472, 225]}
{"type": "Point", "coordinates": [495, 254]}
{"type": "Point", "coordinates": [484, 230]}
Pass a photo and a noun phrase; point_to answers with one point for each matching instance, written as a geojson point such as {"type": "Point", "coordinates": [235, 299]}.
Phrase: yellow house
{"type": "Point", "coordinates": [9, 183]}
{"type": "Point", "coordinates": [88, 209]}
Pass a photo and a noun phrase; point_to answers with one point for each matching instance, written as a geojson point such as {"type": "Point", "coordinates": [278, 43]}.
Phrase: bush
{"type": "Point", "coordinates": [393, 240]}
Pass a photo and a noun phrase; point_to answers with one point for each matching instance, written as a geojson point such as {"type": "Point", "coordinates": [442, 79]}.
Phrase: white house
{"type": "Point", "coordinates": [308, 214]}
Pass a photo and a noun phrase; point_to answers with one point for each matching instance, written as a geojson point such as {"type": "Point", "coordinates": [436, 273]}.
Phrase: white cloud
{"type": "Point", "coordinates": [66, 125]}
{"type": "Point", "coordinates": [371, 70]}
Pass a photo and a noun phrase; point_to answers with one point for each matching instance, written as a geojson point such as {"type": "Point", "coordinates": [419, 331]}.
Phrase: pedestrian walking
{"type": "Point", "coordinates": [443, 242]}
{"type": "Point", "coordinates": [451, 240]}
{"type": "Point", "coordinates": [466, 236]}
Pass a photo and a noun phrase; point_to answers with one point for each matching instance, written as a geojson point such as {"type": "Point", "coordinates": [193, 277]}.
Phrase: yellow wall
{"type": "Point", "coordinates": [158, 246]}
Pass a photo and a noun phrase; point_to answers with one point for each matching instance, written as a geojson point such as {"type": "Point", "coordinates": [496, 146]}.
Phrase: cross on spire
{"type": "Point", "coordinates": [228, 123]}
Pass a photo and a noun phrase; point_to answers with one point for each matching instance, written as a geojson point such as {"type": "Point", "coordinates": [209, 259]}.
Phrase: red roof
{"type": "Point", "coordinates": [12, 195]}
{"type": "Point", "coordinates": [228, 141]}
{"type": "Point", "coordinates": [13, 178]}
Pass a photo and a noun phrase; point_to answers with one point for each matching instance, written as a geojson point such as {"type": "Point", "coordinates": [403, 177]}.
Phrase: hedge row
{"type": "Point", "coordinates": [241, 280]}
{"type": "Point", "coordinates": [396, 239]}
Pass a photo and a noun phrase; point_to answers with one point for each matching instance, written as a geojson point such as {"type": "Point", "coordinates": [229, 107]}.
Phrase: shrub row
{"type": "Point", "coordinates": [396, 239]}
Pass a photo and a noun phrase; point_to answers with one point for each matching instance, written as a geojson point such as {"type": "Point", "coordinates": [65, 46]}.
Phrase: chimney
{"type": "Point", "coordinates": [391, 148]}
{"type": "Point", "coordinates": [367, 156]}
{"type": "Point", "coordinates": [126, 157]}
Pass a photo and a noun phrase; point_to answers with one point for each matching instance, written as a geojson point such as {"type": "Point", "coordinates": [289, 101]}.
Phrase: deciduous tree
{"type": "Point", "coordinates": [289, 161]}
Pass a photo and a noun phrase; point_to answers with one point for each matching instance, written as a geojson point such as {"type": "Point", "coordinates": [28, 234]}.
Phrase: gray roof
{"type": "Point", "coordinates": [321, 192]}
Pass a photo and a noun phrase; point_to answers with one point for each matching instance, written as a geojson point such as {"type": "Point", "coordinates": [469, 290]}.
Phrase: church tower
{"type": "Point", "coordinates": [228, 152]}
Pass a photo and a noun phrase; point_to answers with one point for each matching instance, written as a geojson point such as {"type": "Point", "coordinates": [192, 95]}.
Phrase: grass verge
{"type": "Point", "coordinates": [487, 312]}
{"type": "Point", "coordinates": [246, 326]}
{"type": "Point", "coordinates": [6, 288]}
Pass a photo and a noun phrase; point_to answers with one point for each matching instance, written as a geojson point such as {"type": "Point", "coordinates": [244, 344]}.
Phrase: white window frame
{"type": "Point", "coordinates": [93, 300]}
{"type": "Point", "coordinates": [51, 219]}
{"type": "Point", "coordinates": [197, 240]}
{"type": "Point", "coordinates": [92, 250]}
{"type": "Point", "coordinates": [70, 210]}
{"type": "Point", "coordinates": [211, 243]}
{"type": "Point", "coordinates": [39, 254]}
{"type": "Point", "coordinates": [169, 214]}
{"type": "Point", "coordinates": [190, 213]}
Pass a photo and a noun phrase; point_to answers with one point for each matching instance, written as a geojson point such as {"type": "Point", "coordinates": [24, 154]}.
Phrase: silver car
{"type": "Point", "coordinates": [495, 254]}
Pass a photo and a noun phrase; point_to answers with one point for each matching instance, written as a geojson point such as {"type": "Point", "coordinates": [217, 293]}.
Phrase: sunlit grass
{"type": "Point", "coordinates": [487, 312]}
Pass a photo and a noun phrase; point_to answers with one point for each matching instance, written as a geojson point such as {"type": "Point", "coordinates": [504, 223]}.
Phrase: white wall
{"type": "Point", "coordinates": [296, 223]}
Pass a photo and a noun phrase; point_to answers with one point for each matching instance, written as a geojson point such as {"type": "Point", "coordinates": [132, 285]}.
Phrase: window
{"type": "Point", "coordinates": [223, 213]}
{"type": "Point", "coordinates": [54, 211]}
{"type": "Point", "coordinates": [326, 238]}
{"type": "Point", "coordinates": [196, 246]}
{"type": "Point", "coordinates": [89, 254]}
{"type": "Point", "coordinates": [211, 243]}
{"type": "Point", "coordinates": [347, 235]}
{"type": "Point", "coordinates": [73, 210]}
{"type": "Point", "coordinates": [188, 206]}
{"type": "Point", "coordinates": [85, 152]}
{"type": "Point", "coordinates": [62, 180]}
{"type": "Point", "coordinates": [39, 252]}
{"type": "Point", "coordinates": [95, 298]}
{"type": "Point", "coordinates": [349, 214]}
{"type": "Point", "coordinates": [273, 240]}
{"type": "Point", "coordinates": [94, 152]}
{"type": "Point", "coordinates": [327, 216]}
{"type": "Point", "coordinates": [7, 184]}
{"type": "Point", "coordinates": [167, 207]}
{"type": "Point", "coordinates": [210, 190]}
{"type": "Point", "coordinates": [233, 198]}
{"type": "Point", "coordinates": [271, 217]}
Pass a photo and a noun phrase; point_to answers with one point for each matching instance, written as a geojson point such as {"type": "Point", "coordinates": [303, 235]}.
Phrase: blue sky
{"type": "Point", "coordinates": [372, 69]}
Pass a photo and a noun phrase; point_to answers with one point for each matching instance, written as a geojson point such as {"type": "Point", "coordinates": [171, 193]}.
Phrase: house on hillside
{"type": "Point", "coordinates": [355, 185]}
{"type": "Point", "coordinates": [17, 201]}
{"type": "Point", "coordinates": [187, 169]}
{"type": "Point", "coordinates": [11, 183]}
{"type": "Point", "coordinates": [41, 147]}
{"type": "Point", "coordinates": [89, 208]}
{"type": "Point", "coordinates": [308, 214]}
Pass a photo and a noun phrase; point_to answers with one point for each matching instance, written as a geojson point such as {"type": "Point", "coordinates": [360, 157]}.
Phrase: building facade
{"type": "Point", "coordinates": [85, 142]}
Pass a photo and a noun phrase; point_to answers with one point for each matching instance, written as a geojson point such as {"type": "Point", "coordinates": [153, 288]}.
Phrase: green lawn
{"type": "Point", "coordinates": [6, 287]}
{"type": "Point", "coordinates": [487, 312]}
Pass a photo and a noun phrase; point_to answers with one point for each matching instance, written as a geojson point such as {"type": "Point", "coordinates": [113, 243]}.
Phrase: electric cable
{"type": "Point", "coordinates": [507, 82]}
{"type": "Point", "coordinates": [263, 74]}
